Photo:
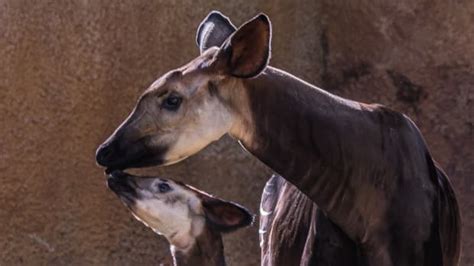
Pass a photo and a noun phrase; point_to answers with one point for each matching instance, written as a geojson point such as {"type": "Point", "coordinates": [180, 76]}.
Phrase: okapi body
{"type": "Point", "coordinates": [365, 166]}
{"type": "Point", "coordinates": [191, 220]}
{"type": "Point", "coordinates": [293, 231]}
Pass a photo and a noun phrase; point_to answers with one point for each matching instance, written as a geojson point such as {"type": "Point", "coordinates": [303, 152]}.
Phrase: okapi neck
{"type": "Point", "coordinates": [207, 249]}
{"type": "Point", "coordinates": [304, 134]}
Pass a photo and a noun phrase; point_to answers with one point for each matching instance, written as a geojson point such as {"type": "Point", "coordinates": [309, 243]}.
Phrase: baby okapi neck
{"type": "Point", "coordinates": [207, 250]}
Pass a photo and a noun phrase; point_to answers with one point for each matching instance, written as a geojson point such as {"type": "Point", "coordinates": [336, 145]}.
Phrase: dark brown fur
{"type": "Point", "coordinates": [364, 165]}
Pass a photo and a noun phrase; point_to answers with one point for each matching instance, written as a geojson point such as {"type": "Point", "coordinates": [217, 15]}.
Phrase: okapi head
{"type": "Point", "coordinates": [177, 211]}
{"type": "Point", "coordinates": [190, 107]}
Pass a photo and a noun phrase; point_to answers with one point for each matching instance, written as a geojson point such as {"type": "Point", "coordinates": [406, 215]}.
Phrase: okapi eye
{"type": "Point", "coordinates": [172, 103]}
{"type": "Point", "coordinates": [163, 187]}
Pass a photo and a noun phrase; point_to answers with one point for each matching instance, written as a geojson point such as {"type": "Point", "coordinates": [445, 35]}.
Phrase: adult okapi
{"type": "Point", "coordinates": [366, 166]}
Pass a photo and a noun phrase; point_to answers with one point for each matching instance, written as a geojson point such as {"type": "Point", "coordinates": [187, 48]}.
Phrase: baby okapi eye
{"type": "Point", "coordinates": [163, 187]}
{"type": "Point", "coordinates": [172, 102]}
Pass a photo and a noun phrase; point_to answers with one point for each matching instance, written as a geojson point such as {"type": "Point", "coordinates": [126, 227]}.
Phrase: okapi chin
{"type": "Point", "coordinates": [191, 220]}
{"type": "Point", "coordinates": [365, 166]}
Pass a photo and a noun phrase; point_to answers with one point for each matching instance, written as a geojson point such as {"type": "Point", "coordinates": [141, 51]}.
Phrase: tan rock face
{"type": "Point", "coordinates": [70, 72]}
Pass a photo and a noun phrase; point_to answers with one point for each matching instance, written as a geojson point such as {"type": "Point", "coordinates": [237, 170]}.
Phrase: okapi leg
{"type": "Point", "coordinates": [295, 232]}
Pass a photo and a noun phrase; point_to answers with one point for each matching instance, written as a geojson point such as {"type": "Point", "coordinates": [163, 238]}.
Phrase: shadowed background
{"type": "Point", "coordinates": [71, 71]}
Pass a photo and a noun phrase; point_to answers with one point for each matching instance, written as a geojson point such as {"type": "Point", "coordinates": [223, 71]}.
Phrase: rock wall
{"type": "Point", "coordinates": [71, 71]}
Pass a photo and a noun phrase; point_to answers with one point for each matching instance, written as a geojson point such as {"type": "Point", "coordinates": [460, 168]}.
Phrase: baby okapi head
{"type": "Point", "coordinates": [191, 220]}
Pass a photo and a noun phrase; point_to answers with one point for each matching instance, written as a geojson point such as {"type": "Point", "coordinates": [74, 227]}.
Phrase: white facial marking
{"type": "Point", "coordinates": [163, 218]}
{"type": "Point", "coordinates": [176, 214]}
{"type": "Point", "coordinates": [212, 121]}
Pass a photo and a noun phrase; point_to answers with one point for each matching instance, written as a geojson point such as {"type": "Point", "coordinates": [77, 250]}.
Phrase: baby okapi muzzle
{"type": "Point", "coordinates": [191, 220]}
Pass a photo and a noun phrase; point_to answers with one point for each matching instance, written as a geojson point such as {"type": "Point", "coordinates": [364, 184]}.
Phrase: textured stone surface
{"type": "Point", "coordinates": [71, 71]}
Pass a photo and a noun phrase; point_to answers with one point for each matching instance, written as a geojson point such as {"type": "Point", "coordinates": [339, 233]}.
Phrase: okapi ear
{"type": "Point", "coordinates": [213, 31]}
{"type": "Point", "coordinates": [225, 216]}
{"type": "Point", "coordinates": [247, 51]}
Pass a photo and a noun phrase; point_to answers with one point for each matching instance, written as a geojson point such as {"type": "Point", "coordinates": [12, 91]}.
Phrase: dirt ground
{"type": "Point", "coordinates": [71, 71]}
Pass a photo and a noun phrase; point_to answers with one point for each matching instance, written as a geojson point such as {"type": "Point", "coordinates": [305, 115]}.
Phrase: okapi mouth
{"type": "Point", "coordinates": [137, 162]}
{"type": "Point", "coordinates": [135, 156]}
{"type": "Point", "coordinates": [123, 186]}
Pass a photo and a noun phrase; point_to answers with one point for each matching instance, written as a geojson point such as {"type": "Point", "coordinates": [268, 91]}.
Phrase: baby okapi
{"type": "Point", "coordinates": [191, 220]}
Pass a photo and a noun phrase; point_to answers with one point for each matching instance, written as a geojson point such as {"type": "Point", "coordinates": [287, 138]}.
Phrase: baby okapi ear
{"type": "Point", "coordinates": [213, 31]}
{"type": "Point", "coordinates": [247, 51]}
{"type": "Point", "coordinates": [225, 216]}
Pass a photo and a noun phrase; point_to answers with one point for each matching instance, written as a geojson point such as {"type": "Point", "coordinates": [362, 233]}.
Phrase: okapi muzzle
{"type": "Point", "coordinates": [130, 146]}
{"type": "Point", "coordinates": [124, 150]}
